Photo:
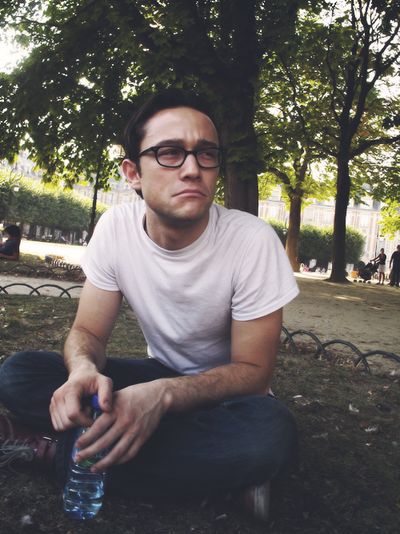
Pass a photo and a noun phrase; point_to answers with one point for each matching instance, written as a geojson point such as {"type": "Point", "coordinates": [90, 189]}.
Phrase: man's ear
{"type": "Point", "coordinates": [131, 172]}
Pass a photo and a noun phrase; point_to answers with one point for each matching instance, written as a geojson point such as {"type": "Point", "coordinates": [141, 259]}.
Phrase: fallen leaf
{"type": "Point", "coordinates": [353, 409]}
{"type": "Point", "coordinates": [372, 429]}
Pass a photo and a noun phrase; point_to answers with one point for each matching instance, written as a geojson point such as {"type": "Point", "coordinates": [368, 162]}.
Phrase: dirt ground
{"type": "Point", "coordinates": [364, 314]}
{"type": "Point", "coordinates": [346, 480]}
{"type": "Point", "coordinates": [367, 315]}
{"type": "Point", "coordinates": [347, 477]}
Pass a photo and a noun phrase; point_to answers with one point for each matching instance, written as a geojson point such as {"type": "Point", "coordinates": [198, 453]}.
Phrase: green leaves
{"type": "Point", "coordinates": [390, 222]}
{"type": "Point", "coordinates": [25, 200]}
{"type": "Point", "coordinates": [91, 59]}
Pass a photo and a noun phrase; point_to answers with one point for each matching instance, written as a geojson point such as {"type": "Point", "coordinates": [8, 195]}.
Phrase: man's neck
{"type": "Point", "coordinates": [174, 236]}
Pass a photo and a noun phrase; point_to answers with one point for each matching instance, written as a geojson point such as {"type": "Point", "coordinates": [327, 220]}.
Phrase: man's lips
{"type": "Point", "coordinates": [190, 193]}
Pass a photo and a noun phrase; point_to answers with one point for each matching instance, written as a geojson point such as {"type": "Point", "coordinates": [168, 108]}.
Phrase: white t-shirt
{"type": "Point", "coordinates": [185, 299]}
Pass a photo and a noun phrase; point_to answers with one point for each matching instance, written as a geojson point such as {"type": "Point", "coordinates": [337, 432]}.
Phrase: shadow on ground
{"type": "Point", "coordinates": [346, 480]}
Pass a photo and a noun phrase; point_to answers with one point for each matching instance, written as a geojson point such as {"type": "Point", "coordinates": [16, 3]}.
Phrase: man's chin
{"type": "Point", "coordinates": [188, 217]}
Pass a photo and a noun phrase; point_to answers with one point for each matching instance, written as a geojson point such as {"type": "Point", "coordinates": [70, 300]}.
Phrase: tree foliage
{"type": "Point", "coordinates": [390, 221]}
{"type": "Point", "coordinates": [25, 201]}
{"type": "Point", "coordinates": [93, 61]}
{"type": "Point", "coordinates": [361, 40]}
{"type": "Point", "coordinates": [316, 243]}
{"type": "Point", "coordinates": [291, 122]}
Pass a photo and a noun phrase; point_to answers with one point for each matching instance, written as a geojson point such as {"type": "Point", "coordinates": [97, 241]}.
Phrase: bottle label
{"type": "Point", "coordinates": [88, 462]}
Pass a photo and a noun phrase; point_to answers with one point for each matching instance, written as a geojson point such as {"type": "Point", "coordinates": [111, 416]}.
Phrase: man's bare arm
{"type": "Point", "coordinates": [84, 357]}
{"type": "Point", "coordinates": [92, 327]}
{"type": "Point", "coordinates": [254, 349]}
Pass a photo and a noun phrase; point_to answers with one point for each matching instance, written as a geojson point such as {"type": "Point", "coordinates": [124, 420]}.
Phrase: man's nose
{"type": "Point", "coordinates": [190, 167]}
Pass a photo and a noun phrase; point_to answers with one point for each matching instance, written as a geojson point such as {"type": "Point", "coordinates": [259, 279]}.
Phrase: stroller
{"type": "Point", "coordinates": [366, 272]}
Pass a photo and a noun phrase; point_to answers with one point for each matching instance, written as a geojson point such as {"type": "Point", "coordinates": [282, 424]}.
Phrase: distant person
{"type": "Point", "coordinates": [85, 238]}
{"type": "Point", "coordinates": [395, 265]}
{"type": "Point", "coordinates": [381, 258]}
{"type": "Point", "coordinates": [10, 249]}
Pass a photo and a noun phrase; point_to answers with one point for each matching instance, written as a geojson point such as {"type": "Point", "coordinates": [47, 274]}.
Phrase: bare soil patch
{"type": "Point", "coordinates": [347, 476]}
{"type": "Point", "coordinates": [367, 315]}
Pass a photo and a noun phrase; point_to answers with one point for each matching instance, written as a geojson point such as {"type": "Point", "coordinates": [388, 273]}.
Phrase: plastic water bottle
{"type": "Point", "coordinates": [83, 492]}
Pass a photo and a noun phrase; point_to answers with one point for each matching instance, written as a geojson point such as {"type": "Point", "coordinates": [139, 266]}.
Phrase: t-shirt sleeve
{"type": "Point", "coordinates": [99, 261]}
{"type": "Point", "coordinates": [264, 279]}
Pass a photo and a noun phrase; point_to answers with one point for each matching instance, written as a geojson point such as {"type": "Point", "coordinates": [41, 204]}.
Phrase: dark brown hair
{"type": "Point", "coordinates": [165, 99]}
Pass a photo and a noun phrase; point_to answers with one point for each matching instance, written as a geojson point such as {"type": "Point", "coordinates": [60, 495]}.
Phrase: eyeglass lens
{"type": "Point", "coordinates": [175, 156]}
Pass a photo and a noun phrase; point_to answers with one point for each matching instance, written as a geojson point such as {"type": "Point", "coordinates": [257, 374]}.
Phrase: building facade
{"type": "Point", "coordinates": [363, 217]}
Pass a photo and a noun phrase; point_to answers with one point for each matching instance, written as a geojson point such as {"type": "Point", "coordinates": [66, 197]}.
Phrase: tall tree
{"type": "Point", "coordinates": [217, 46]}
{"type": "Point", "coordinates": [362, 51]}
{"type": "Point", "coordinates": [291, 122]}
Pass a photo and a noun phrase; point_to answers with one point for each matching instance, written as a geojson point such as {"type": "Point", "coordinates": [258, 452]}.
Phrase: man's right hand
{"type": "Point", "coordinates": [66, 406]}
{"type": "Point", "coordinates": [84, 358]}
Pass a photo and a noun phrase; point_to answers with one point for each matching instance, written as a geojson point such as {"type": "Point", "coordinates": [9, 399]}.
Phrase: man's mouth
{"type": "Point", "coordinates": [190, 193]}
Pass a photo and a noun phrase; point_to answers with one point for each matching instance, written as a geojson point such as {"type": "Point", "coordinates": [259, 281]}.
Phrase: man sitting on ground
{"type": "Point", "coordinates": [207, 285]}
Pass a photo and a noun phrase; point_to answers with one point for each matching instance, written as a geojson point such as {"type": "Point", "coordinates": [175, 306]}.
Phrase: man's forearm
{"type": "Point", "coordinates": [254, 347]}
{"type": "Point", "coordinates": [207, 388]}
{"type": "Point", "coordinates": [83, 349]}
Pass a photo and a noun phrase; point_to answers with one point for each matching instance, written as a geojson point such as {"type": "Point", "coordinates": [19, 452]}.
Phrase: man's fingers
{"type": "Point", "coordinates": [66, 412]}
{"type": "Point", "coordinates": [97, 437]}
{"type": "Point", "coordinates": [122, 451]}
{"type": "Point", "coordinates": [105, 394]}
{"type": "Point", "coordinates": [56, 421]}
{"type": "Point", "coordinates": [105, 436]}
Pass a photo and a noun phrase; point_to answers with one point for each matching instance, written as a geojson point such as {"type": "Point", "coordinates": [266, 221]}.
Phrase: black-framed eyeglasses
{"type": "Point", "coordinates": [175, 156]}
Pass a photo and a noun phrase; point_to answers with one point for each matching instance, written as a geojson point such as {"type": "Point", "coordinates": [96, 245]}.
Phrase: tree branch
{"type": "Point", "coordinates": [283, 177]}
{"type": "Point", "coordinates": [365, 145]}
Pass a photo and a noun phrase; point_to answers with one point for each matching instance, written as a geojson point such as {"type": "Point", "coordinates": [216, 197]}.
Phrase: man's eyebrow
{"type": "Point", "coordinates": [181, 142]}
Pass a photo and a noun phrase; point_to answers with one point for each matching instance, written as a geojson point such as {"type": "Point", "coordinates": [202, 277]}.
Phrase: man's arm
{"type": "Point", "coordinates": [254, 346]}
{"type": "Point", "coordinates": [84, 357]}
{"type": "Point", "coordinates": [137, 410]}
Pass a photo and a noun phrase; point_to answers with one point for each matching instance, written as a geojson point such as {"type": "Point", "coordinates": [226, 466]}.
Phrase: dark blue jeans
{"type": "Point", "coordinates": [234, 444]}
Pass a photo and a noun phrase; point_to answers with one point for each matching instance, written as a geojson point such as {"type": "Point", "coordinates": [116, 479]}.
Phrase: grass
{"type": "Point", "coordinates": [28, 259]}
{"type": "Point", "coordinates": [347, 477]}
{"type": "Point", "coordinates": [30, 265]}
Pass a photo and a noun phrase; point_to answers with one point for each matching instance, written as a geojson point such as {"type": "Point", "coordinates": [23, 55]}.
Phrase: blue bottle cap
{"type": "Point", "coordinates": [95, 402]}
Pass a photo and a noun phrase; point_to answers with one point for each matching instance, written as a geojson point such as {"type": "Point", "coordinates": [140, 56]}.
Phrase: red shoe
{"type": "Point", "coordinates": [19, 443]}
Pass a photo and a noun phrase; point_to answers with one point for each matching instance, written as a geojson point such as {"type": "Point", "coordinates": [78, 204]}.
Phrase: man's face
{"type": "Point", "coordinates": [183, 195]}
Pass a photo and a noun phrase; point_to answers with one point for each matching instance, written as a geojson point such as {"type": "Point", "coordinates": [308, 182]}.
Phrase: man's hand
{"type": "Point", "coordinates": [66, 407]}
{"type": "Point", "coordinates": [84, 358]}
{"type": "Point", "coordinates": [135, 414]}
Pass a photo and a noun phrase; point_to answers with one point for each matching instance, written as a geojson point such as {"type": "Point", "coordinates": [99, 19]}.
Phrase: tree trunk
{"type": "Point", "coordinates": [241, 194]}
{"type": "Point", "coordinates": [92, 221]}
{"type": "Point", "coordinates": [339, 228]}
{"type": "Point", "coordinates": [239, 139]}
{"type": "Point", "coordinates": [96, 188]}
{"type": "Point", "coordinates": [292, 238]}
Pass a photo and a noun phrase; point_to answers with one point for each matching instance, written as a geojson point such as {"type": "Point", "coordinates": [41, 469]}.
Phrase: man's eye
{"type": "Point", "coordinates": [170, 152]}
{"type": "Point", "coordinates": [208, 153]}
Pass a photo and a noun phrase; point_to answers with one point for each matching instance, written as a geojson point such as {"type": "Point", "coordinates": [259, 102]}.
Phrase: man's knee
{"type": "Point", "coordinates": [272, 438]}
{"type": "Point", "coordinates": [22, 369]}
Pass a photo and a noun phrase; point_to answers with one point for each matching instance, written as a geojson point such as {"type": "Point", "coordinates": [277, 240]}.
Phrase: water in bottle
{"type": "Point", "coordinates": [83, 492]}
